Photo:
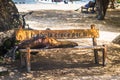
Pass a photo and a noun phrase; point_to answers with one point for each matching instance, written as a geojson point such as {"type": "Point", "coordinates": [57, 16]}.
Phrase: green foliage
{"type": "Point", "coordinates": [7, 44]}
{"type": "Point", "coordinates": [118, 1]}
{"type": "Point", "coordinates": [17, 54]}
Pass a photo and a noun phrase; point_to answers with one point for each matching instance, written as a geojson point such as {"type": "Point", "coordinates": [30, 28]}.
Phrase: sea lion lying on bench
{"type": "Point", "coordinates": [42, 41]}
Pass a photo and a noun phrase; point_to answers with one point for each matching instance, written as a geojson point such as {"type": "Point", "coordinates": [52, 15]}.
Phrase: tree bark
{"type": "Point", "coordinates": [8, 15]}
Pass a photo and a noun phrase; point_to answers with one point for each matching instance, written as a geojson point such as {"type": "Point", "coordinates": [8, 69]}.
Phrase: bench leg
{"type": "Point", "coordinates": [96, 57]}
{"type": "Point", "coordinates": [82, 9]}
{"type": "Point", "coordinates": [28, 65]}
{"type": "Point", "coordinates": [87, 10]}
{"type": "Point", "coordinates": [22, 60]}
{"type": "Point", "coordinates": [104, 55]}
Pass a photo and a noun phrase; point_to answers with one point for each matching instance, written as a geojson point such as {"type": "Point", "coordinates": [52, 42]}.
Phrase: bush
{"type": "Point", "coordinates": [118, 1]}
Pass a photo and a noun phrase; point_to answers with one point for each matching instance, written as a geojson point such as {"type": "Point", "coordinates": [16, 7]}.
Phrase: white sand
{"type": "Point", "coordinates": [40, 6]}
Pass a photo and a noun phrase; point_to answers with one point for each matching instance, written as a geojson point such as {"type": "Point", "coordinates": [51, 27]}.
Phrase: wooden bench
{"type": "Point", "coordinates": [90, 6]}
{"type": "Point", "coordinates": [86, 9]}
{"type": "Point", "coordinates": [61, 34]}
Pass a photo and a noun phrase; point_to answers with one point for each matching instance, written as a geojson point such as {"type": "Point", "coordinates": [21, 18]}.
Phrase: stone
{"type": "Point", "coordinates": [3, 69]}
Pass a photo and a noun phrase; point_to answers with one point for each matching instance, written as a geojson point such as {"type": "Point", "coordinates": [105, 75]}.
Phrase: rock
{"type": "Point", "coordinates": [3, 69]}
{"type": "Point", "coordinates": [117, 40]}
{"type": "Point", "coordinates": [5, 35]}
{"type": "Point", "coordinates": [8, 15]}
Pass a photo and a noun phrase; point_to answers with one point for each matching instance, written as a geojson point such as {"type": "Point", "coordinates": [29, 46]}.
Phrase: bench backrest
{"type": "Point", "coordinates": [22, 34]}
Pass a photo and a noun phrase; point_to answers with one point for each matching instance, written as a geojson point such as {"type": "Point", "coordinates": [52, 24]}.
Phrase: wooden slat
{"type": "Point", "coordinates": [78, 47]}
{"type": "Point", "coordinates": [58, 34]}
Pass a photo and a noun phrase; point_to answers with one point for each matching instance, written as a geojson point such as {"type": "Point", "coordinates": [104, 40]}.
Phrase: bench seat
{"type": "Point", "coordinates": [98, 47]}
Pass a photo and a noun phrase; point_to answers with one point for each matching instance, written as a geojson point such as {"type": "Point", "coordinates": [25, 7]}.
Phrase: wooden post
{"type": "Point", "coordinates": [94, 44]}
{"type": "Point", "coordinates": [104, 55]}
{"type": "Point", "coordinates": [28, 65]}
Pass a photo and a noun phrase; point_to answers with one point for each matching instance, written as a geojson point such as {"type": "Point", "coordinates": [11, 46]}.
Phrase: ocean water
{"type": "Point", "coordinates": [46, 2]}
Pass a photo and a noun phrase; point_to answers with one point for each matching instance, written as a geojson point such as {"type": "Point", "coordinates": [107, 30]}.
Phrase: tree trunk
{"type": "Point", "coordinates": [101, 6]}
{"type": "Point", "coordinates": [8, 15]}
